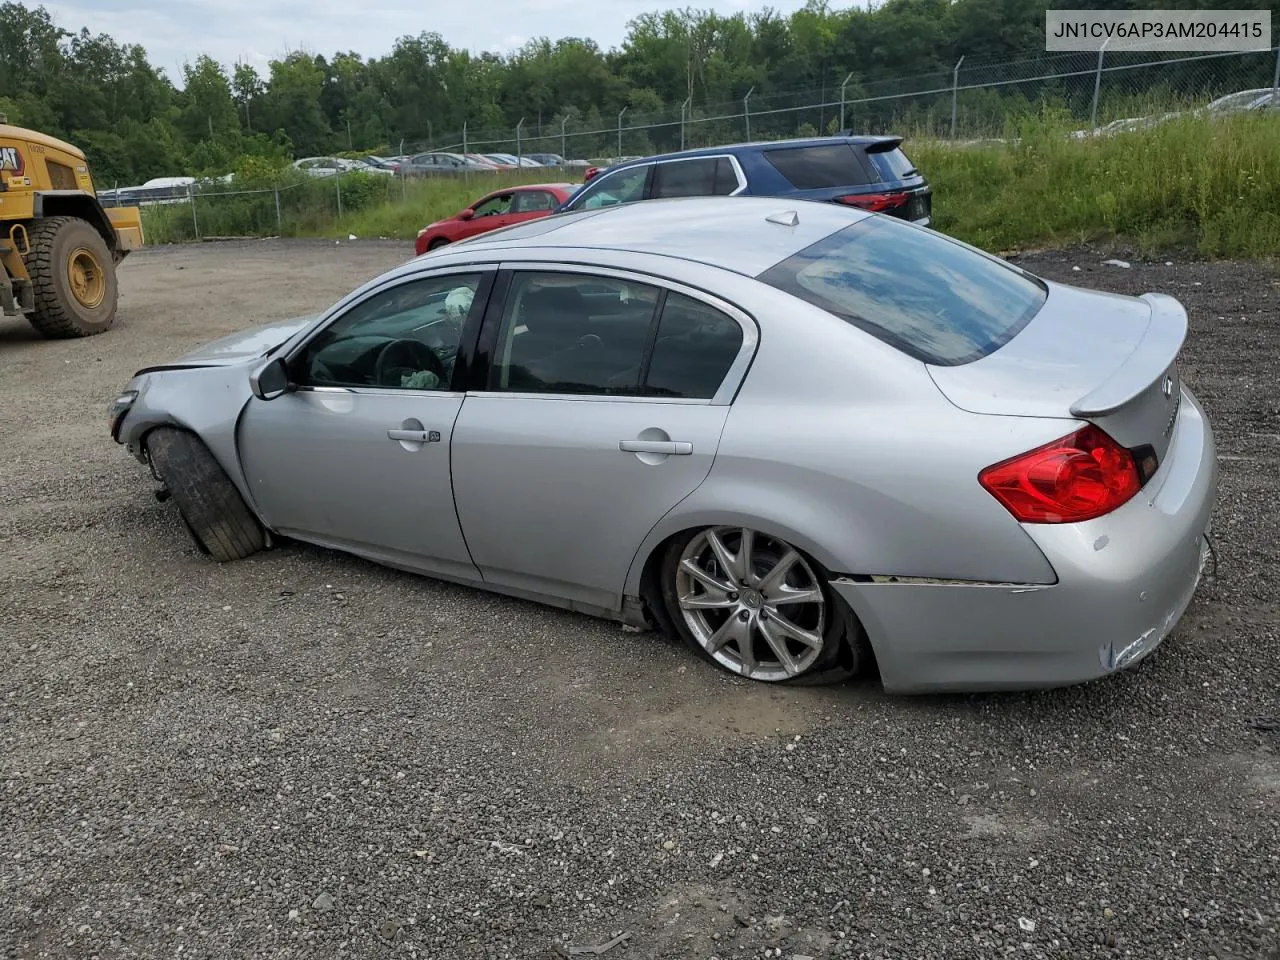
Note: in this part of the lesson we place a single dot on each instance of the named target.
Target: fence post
(746, 110)
(279, 219)
(620, 113)
(955, 87)
(519, 154)
(337, 184)
(1275, 82)
(1097, 85)
(563, 150)
(683, 109)
(195, 221)
(843, 128)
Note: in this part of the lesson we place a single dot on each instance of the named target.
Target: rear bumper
(1123, 583)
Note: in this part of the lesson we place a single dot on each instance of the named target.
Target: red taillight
(1076, 478)
(875, 202)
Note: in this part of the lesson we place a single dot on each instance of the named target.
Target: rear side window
(695, 348)
(813, 168)
(932, 298)
(701, 177)
(892, 164)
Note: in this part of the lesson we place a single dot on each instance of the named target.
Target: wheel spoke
(772, 580)
(745, 572)
(727, 561)
(706, 601)
(778, 644)
(730, 630)
(782, 624)
(785, 594)
(746, 647)
(691, 567)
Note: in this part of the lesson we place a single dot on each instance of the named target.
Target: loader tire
(73, 279)
(215, 513)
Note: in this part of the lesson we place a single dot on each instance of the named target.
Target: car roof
(746, 235)
(753, 145)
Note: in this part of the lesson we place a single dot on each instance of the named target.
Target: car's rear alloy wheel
(754, 605)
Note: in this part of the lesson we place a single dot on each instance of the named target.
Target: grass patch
(1189, 183)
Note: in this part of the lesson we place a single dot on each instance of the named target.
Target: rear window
(893, 164)
(932, 298)
(813, 168)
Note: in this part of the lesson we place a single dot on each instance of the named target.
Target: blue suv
(871, 173)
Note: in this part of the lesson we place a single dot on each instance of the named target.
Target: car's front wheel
(215, 514)
(758, 607)
(437, 243)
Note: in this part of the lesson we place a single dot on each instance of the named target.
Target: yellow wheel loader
(59, 246)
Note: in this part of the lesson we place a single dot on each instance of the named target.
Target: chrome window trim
(380, 392)
(733, 377)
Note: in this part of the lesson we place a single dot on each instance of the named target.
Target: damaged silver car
(806, 439)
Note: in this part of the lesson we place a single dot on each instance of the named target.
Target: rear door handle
(415, 436)
(678, 448)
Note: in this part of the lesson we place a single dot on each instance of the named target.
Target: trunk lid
(1087, 355)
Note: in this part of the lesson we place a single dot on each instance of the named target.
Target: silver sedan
(806, 439)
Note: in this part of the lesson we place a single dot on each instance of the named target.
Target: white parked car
(334, 166)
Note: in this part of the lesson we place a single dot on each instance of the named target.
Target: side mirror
(270, 380)
(466, 214)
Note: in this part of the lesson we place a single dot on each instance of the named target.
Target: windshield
(931, 297)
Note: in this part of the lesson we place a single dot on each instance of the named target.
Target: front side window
(625, 186)
(573, 334)
(494, 206)
(403, 338)
(930, 297)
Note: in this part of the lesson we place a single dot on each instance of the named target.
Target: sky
(258, 31)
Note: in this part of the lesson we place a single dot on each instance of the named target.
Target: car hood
(245, 345)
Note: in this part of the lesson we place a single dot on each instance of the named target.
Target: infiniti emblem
(1168, 386)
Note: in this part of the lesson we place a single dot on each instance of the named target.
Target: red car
(501, 208)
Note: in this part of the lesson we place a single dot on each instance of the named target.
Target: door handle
(415, 436)
(677, 448)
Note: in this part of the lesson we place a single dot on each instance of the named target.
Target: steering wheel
(407, 355)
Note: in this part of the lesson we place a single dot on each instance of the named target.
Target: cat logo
(11, 162)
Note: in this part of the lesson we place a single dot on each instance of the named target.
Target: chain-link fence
(972, 101)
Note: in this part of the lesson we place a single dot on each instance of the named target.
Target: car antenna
(788, 219)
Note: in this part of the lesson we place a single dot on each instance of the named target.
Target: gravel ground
(305, 755)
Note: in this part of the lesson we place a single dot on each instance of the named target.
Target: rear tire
(73, 279)
(215, 514)
(751, 610)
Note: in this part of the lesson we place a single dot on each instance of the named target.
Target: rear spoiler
(884, 145)
(1159, 347)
